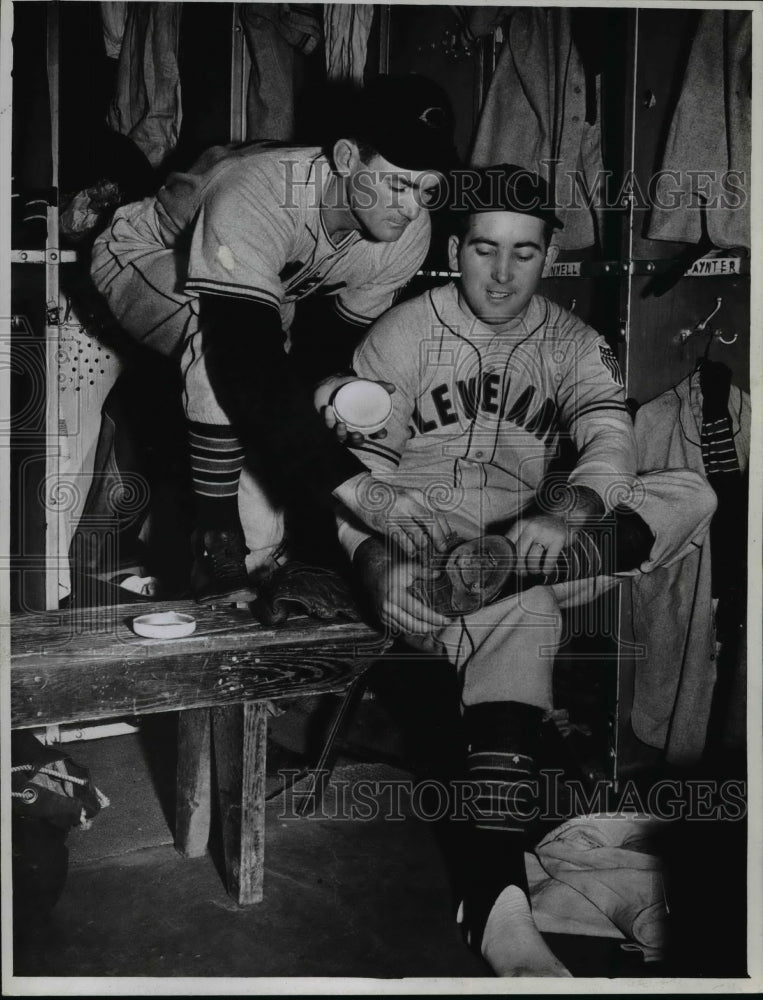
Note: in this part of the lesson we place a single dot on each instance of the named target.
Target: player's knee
(540, 606)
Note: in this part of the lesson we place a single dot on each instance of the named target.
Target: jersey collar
(471, 326)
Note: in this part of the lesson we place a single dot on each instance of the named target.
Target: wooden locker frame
(624, 321)
(240, 68)
(52, 329)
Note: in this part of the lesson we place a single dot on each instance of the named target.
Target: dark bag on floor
(51, 793)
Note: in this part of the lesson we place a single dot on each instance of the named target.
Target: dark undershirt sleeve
(270, 408)
(322, 341)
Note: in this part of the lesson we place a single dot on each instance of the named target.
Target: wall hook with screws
(706, 320)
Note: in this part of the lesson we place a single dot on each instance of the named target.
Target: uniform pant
(505, 651)
(142, 281)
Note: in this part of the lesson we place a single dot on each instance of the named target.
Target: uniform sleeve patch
(609, 360)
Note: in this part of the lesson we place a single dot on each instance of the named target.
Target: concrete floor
(342, 897)
(338, 902)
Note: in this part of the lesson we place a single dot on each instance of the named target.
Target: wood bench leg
(193, 800)
(239, 733)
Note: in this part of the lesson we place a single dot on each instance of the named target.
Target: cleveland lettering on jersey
(484, 413)
(490, 395)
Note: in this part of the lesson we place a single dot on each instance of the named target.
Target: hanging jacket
(346, 27)
(274, 32)
(672, 606)
(147, 105)
(707, 153)
(114, 17)
(536, 110)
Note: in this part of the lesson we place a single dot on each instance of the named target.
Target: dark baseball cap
(407, 119)
(504, 187)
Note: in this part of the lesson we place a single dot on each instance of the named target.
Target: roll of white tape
(164, 625)
(362, 405)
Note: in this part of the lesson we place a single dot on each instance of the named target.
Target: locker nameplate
(570, 269)
(708, 267)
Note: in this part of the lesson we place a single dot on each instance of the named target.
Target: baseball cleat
(483, 570)
(467, 576)
(219, 569)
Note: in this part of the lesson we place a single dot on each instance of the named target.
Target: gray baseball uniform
(243, 221)
(477, 418)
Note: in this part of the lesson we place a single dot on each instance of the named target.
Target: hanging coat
(114, 17)
(346, 27)
(535, 113)
(672, 606)
(146, 106)
(710, 137)
(274, 32)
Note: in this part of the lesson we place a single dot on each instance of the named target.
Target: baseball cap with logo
(407, 119)
(504, 187)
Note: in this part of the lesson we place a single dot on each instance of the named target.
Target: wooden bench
(87, 664)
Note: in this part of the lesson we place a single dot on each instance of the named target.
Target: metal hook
(706, 320)
(573, 304)
(719, 335)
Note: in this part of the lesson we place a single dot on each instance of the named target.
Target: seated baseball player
(489, 376)
(209, 272)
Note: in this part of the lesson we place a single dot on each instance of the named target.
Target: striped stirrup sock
(617, 543)
(718, 452)
(502, 743)
(217, 459)
(503, 781)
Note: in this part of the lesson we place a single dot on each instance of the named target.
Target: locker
(662, 306)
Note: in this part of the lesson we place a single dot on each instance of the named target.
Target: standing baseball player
(209, 272)
(488, 378)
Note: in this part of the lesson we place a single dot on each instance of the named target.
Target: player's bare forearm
(322, 340)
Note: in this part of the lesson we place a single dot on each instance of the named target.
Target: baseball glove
(296, 588)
